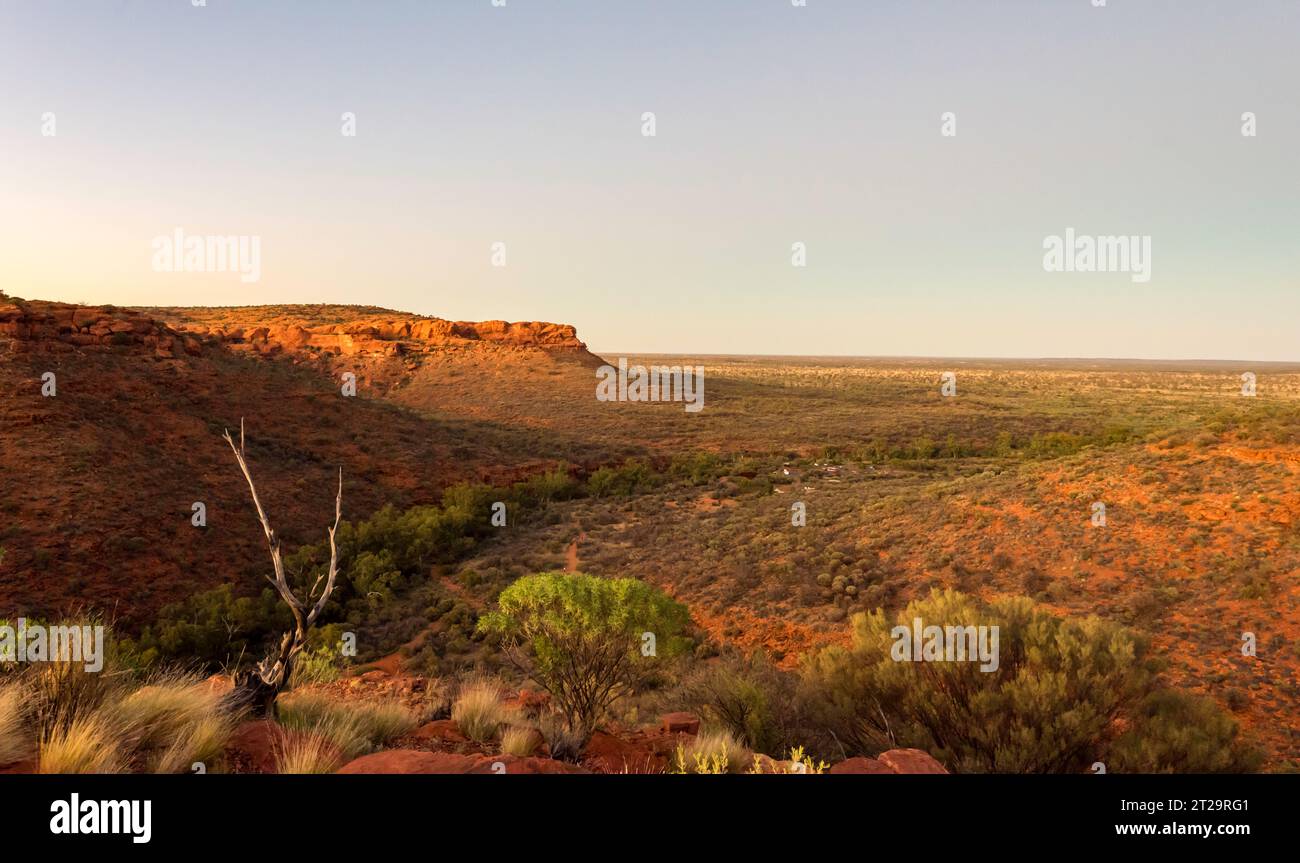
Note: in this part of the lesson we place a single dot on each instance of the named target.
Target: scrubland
(782, 531)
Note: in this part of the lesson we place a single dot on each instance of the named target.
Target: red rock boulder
(680, 723)
(910, 761)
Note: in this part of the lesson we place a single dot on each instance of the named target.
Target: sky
(774, 124)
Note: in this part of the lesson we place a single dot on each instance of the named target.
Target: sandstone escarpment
(314, 333)
(360, 331)
(37, 326)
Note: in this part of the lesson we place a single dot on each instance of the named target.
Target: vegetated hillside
(530, 384)
(100, 477)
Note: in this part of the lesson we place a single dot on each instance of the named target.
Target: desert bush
(1176, 732)
(546, 487)
(749, 697)
(923, 448)
(581, 638)
(378, 558)
(563, 743)
(321, 665)
(632, 476)
(698, 468)
(211, 626)
(1050, 706)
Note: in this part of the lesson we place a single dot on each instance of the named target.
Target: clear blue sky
(775, 124)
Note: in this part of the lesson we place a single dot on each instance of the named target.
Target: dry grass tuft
(87, 744)
(308, 753)
(15, 739)
(519, 740)
(478, 711)
(353, 728)
(713, 751)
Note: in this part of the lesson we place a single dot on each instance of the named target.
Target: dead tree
(256, 689)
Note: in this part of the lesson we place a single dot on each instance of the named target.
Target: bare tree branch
(258, 689)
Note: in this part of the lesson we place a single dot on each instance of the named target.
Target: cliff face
(40, 327)
(36, 325)
(353, 331)
(399, 337)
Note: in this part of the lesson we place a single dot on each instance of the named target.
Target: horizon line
(953, 358)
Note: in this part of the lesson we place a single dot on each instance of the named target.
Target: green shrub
(634, 475)
(582, 638)
(1175, 732)
(749, 697)
(698, 468)
(321, 665)
(378, 557)
(211, 626)
(1051, 705)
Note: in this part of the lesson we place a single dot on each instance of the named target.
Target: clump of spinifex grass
(308, 753)
(353, 728)
(478, 711)
(16, 741)
(88, 744)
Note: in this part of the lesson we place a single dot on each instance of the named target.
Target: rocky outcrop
(860, 765)
(893, 761)
(680, 723)
(410, 761)
(609, 754)
(37, 326)
(440, 732)
(910, 761)
(390, 335)
(632, 753)
(418, 761)
(253, 746)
